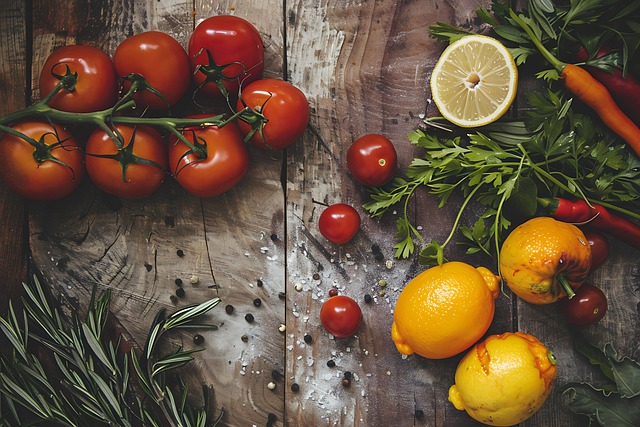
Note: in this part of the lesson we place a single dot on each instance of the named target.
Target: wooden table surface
(364, 66)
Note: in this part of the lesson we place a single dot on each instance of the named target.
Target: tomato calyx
(256, 119)
(214, 73)
(67, 80)
(139, 83)
(126, 157)
(198, 149)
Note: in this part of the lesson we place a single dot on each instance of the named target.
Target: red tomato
(587, 307)
(29, 173)
(284, 107)
(226, 163)
(96, 87)
(161, 60)
(341, 316)
(600, 248)
(139, 180)
(236, 49)
(372, 160)
(339, 223)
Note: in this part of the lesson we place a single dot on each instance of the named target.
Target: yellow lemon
(504, 380)
(474, 81)
(444, 310)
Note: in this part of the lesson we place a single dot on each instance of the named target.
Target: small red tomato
(284, 110)
(339, 223)
(587, 307)
(341, 316)
(600, 248)
(372, 160)
(226, 163)
(96, 87)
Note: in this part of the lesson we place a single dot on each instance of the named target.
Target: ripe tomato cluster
(133, 141)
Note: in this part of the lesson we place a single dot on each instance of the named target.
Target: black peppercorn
(282, 295)
(244, 338)
(173, 299)
(180, 253)
(295, 387)
(367, 298)
(331, 363)
(271, 417)
(260, 283)
(308, 338)
(229, 309)
(347, 375)
(257, 302)
(180, 292)
(419, 414)
(274, 237)
(249, 317)
(375, 248)
(276, 375)
(178, 282)
(316, 276)
(379, 257)
(198, 339)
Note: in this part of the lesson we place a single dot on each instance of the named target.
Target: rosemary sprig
(84, 378)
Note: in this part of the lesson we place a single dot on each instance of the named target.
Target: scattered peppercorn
(346, 382)
(331, 363)
(276, 375)
(198, 339)
(316, 276)
(367, 298)
(333, 292)
(260, 283)
(229, 309)
(148, 266)
(419, 414)
(379, 257)
(180, 292)
(257, 302)
(180, 253)
(249, 317)
(375, 248)
(274, 237)
(178, 282)
(295, 387)
(347, 375)
(244, 338)
(173, 299)
(271, 417)
(308, 338)
(282, 295)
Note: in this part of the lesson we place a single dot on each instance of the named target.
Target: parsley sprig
(556, 151)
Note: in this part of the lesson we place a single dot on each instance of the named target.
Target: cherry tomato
(372, 160)
(29, 173)
(226, 162)
(139, 179)
(161, 60)
(341, 316)
(284, 107)
(96, 86)
(587, 307)
(236, 49)
(339, 223)
(600, 248)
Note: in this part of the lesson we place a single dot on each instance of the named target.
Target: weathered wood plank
(13, 87)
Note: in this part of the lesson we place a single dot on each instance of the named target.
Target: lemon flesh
(474, 81)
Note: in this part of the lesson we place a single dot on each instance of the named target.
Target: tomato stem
(566, 287)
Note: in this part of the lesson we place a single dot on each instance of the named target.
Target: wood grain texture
(13, 87)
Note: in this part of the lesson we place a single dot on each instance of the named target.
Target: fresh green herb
(555, 151)
(70, 373)
(615, 403)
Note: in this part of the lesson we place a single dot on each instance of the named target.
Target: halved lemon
(474, 81)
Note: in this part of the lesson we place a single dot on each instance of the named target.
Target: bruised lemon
(504, 380)
(444, 310)
(474, 81)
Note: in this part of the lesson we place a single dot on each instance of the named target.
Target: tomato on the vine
(135, 170)
(372, 160)
(588, 306)
(341, 316)
(96, 86)
(49, 172)
(226, 162)
(339, 223)
(600, 248)
(163, 63)
(280, 113)
(225, 50)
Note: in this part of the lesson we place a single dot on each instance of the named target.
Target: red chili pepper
(595, 217)
(624, 89)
